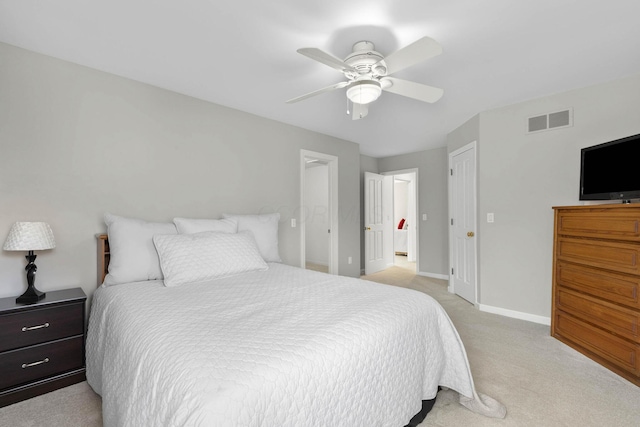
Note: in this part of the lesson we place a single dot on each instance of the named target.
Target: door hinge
(451, 170)
(329, 231)
(452, 271)
(451, 221)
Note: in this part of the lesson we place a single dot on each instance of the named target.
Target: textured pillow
(133, 256)
(190, 258)
(190, 226)
(264, 229)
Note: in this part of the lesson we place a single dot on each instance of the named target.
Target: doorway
(319, 211)
(390, 220)
(405, 216)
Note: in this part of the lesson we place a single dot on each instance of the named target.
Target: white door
(462, 165)
(373, 223)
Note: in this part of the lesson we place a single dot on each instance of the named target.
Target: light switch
(424, 217)
(490, 217)
(293, 223)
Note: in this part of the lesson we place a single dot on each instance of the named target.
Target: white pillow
(264, 229)
(133, 256)
(190, 258)
(190, 226)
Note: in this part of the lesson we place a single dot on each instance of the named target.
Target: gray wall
(76, 142)
(464, 134)
(433, 237)
(521, 176)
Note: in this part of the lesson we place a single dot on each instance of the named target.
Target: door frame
(470, 146)
(332, 164)
(417, 212)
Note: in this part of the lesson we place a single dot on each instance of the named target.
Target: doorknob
(367, 229)
(470, 234)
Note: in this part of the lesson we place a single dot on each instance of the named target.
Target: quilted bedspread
(283, 347)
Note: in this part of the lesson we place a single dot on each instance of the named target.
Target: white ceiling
(242, 54)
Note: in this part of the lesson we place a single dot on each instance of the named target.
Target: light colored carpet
(317, 267)
(542, 382)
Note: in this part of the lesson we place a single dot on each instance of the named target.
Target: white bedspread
(284, 347)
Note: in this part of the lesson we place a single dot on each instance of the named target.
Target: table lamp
(30, 236)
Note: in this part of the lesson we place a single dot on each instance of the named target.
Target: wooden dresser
(596, 284)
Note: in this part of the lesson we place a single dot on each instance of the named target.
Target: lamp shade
(364, 91)
(29, 236)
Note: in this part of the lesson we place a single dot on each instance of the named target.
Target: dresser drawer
(621, 257)
(616, 288)
(620, 321)
(40, 325)
(40, 361)
(601, 225)
(619, 352)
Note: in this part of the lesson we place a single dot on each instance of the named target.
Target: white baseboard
(433, 275)
(516, 314)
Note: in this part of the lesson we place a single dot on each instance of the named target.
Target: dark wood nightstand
(41, 345)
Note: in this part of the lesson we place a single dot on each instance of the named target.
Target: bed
(271, 346)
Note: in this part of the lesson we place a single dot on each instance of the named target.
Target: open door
(463, 257)
(376, 227)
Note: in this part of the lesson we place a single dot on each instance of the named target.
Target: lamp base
(30, 296)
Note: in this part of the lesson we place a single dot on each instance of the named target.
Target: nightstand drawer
(40, 361)
(41, 325)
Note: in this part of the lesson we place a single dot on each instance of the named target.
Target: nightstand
(41, 345)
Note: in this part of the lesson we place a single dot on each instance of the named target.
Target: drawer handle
(32, 328)
(40, 362)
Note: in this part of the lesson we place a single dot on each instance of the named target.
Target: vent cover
(558, 119)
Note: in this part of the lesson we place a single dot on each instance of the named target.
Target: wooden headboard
(103, 256)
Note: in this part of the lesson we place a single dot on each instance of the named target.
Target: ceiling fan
(368, 73)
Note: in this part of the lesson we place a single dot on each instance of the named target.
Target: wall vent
(555, 120)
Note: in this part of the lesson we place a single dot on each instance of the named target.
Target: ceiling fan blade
(416, 52)
(319, 91)
(325, 58)
(412, 89)
(360, 111)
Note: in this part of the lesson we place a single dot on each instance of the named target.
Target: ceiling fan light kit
(364, 91)
(368, 73)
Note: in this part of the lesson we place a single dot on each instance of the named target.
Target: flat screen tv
(611, 171)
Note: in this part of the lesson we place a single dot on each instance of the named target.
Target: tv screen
(611, 171)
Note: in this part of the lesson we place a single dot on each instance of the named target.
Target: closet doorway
(319, 211)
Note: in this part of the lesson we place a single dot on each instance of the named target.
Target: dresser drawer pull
(32, 328)
(28, 365)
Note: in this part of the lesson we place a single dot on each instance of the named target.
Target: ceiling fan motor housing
(364, 57)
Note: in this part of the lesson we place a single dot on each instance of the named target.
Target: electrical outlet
(293, 223)
(490, 217)
(350, 260)
(424, 217)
